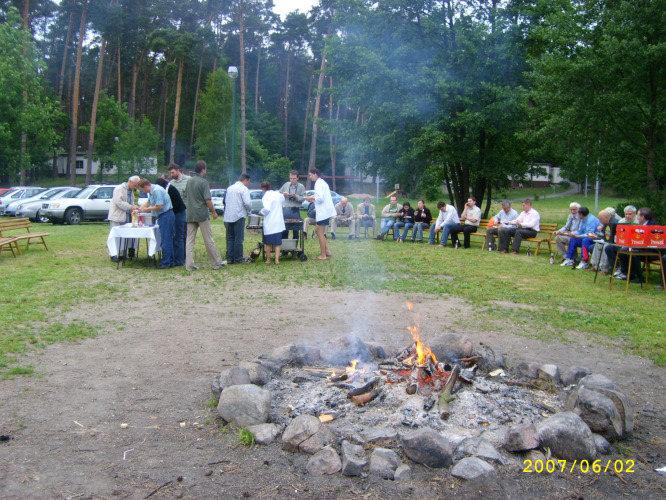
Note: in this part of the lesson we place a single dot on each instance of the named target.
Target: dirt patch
(152, 370)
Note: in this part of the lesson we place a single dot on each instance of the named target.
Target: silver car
(17, 194)
(255, 200)
(31, 208)
(91, 204)
(217, 197)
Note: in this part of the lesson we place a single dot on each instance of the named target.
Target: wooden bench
(545, 235)
(10, 245)
(11, 225)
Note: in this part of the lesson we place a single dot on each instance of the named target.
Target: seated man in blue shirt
(583, 237)
(160, 204)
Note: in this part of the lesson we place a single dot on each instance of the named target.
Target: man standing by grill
(325, 210)
(199, 211)
(293, 192)
(236, 207)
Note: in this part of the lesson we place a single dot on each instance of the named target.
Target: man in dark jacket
(422, 220)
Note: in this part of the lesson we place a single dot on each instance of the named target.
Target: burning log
(339, 377)
(365, 398)
(445, 396)
(364, 388)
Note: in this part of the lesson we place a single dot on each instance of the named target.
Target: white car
(91, 204)
(31, 208)
(217, 197)
(16, 194)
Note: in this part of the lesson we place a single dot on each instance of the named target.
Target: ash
(484, 404)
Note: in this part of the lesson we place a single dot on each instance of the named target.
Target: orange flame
(352, 369)
(423, 352)
(410, 306)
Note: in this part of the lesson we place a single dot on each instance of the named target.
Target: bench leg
(44, 243)
(536, 254)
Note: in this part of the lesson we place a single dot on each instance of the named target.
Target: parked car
(255, 200)
(336, 198)
(4, 191)
(217, 197)
(91, 204)
(10, 209)
(32, 207)
(19, 193)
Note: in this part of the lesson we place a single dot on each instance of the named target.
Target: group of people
(182, 206)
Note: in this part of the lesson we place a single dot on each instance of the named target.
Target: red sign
(641, 236)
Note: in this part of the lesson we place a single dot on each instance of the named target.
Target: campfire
(416, 367)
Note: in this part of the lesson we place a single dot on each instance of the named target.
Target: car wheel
(73, 216)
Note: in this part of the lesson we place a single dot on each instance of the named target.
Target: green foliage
(25, 106)
(212, 402)
(112, 120)
(214, 122)
(245, 437)
(134, 152)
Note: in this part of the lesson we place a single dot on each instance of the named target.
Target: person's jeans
(179, 238)
(446, 229)
(586, 248)
(235, 236)
(364, 222)
(491, 234)
(417, 231)
(166, 223)
(405, 226)
(574, 244)
(432, 235)
(466, 229)
(386, 225)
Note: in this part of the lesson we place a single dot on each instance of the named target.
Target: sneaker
(567, 263)
(583, 265)
(380, 237)
(617, 273)
(620, 276)
(193, 268)
(220, 265)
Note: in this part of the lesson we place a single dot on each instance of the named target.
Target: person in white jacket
(273, 203)
(325, 210)
(446, 219)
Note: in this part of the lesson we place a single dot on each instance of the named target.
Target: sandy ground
(151, 369)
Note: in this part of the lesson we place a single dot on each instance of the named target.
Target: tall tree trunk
(489, 190)
(25, 18)
(286, 106)
(241, 42)
(305, 120)
(73, 133)
(331, 134)
(176, 112)
(144, 90)
(256, 84)
(119, 75)
(93, 113)
(315, 113)
(196, 103)
(131, 107)
(63, 65)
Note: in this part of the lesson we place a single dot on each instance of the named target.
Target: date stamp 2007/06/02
(583, 466)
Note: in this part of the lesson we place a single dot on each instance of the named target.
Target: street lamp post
(233, 75)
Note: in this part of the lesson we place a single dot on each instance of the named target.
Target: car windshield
(84, 193)
(70, 194)
(47, 195)
(9, 192)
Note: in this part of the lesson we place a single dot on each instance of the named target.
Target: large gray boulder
(307, 434)
(602, 445)
(478, 447)
(550, 373)
(451, 347)
(342, 350)
(521, 437)
(294, 355)
(528, 370)
(325, 462)
(353, 459)
(471, 468)
(567, 436)
(597, 381)
(597, 411)
(384, 462)
(427, 447)
(244, 405)
(624, 408)
(231, 376)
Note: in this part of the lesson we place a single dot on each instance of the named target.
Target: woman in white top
(272, 202)
(324, 208)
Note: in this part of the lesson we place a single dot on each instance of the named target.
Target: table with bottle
(123, 238)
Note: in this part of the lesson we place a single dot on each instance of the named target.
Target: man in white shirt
(325, 210)
(469, 223)
(236, 208)
(505, 215)
(525, 226)
(447, 218)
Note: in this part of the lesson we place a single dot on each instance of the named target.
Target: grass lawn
(40, 287)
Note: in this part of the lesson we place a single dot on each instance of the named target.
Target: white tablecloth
(118, 233)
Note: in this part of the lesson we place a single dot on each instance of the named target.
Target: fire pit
(460, 402)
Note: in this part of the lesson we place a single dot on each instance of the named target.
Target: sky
(284, 7)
